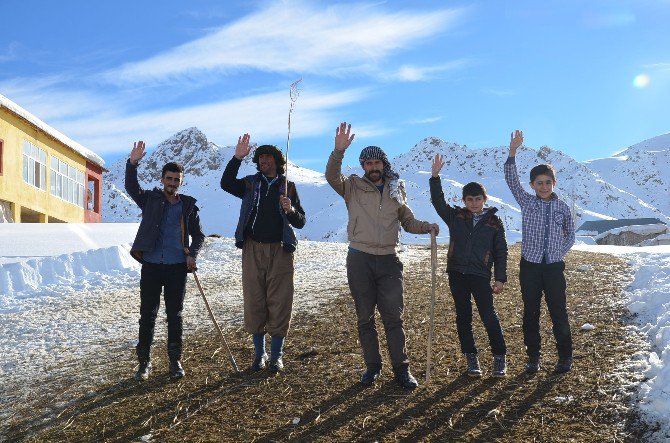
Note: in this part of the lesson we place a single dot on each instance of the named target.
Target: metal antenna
(294, 92)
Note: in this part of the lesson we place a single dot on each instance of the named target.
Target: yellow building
(45, 177)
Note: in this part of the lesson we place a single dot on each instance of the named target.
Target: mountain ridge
(594, 190)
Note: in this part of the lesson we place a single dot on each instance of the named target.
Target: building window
(34, 165)
(67, 182)
(1, 146)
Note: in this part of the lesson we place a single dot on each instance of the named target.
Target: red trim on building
(94, 179)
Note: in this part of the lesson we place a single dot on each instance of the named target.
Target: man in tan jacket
(377, 208)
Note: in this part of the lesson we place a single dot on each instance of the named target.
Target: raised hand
(438, 162)
(137, 153)
(242, 149)
(343, 137)
(515, 140)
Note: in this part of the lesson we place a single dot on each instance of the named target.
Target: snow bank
(62, 274)
(25, 241)
(649, 298)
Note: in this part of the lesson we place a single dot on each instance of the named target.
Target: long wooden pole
(433, 281)
(218, 328)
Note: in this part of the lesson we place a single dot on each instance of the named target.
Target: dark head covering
(274, 151)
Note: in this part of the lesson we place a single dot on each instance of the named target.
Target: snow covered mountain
(641, 169)
(204, 163)
(595, 193)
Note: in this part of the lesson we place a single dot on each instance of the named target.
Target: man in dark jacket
(162, 246)
(476, 242)
(265, 233)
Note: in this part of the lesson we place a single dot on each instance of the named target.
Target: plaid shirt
(544, 231)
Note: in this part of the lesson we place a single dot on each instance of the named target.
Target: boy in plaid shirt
(548, 233)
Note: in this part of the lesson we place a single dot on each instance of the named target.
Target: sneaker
(563, 365)
(275, 365)
(176, 370)
(499, 366)
(370, 375)
(533, 365)
(143, 371)
(473, 365)
(259, 362)
(406, 380)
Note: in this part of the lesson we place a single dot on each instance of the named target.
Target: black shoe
(474, 370)
(176, 370)
(563, 365)
(533, 365)
(259, 363)
(406, 380)
(499, 366)
(275, 365)
(370, 375)
(144, 370)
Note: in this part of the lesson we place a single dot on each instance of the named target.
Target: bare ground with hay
(318, 398)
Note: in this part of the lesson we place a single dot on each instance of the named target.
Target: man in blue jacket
(162, 246)
(269, 211)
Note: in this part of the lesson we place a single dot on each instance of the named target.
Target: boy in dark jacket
(476, 242)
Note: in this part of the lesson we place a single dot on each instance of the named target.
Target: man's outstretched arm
(343, 139)
(132, 185)
(229, 181)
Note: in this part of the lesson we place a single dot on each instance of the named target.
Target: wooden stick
(218, 328)
(433, 280)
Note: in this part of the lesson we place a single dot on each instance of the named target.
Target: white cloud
(425, 121)
(264, 116)
(500, 92)
(658, 66)
(408, 73)
(294, 37)
(48, 98)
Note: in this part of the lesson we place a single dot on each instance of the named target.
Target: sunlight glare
(641, 81)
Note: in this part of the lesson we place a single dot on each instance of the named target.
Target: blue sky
(588, 78)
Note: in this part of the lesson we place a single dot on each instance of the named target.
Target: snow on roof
(636, 229)
(67, 141)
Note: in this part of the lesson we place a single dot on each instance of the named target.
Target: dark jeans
(462, 287)
(377, 281)
(154, 278)
(548, 277)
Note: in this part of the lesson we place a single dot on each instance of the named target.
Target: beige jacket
(374, 218)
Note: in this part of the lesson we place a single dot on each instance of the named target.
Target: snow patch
(62, 274)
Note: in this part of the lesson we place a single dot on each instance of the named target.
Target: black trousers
(171, 280)
(376, 281)
(536, 278)
(463, 287)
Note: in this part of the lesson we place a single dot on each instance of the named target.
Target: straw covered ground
(318, 398)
